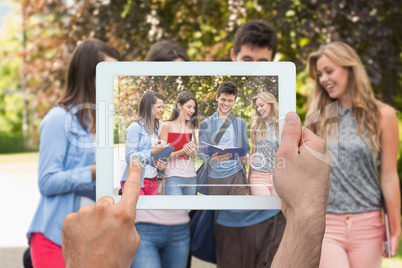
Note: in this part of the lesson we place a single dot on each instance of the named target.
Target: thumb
(291, 134)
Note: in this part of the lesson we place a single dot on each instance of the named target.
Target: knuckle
(284, 152)
(85, 210)
(70, 218)
(290, 132)
(104, 202)
(124, 216)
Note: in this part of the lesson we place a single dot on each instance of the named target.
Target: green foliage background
(128, 92)
(204, 28)
(34, 58)
(11, 97)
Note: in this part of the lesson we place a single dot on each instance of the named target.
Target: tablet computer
(120, 85)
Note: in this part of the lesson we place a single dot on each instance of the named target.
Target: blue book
(210, 149)
(162, 155)
(387, 241)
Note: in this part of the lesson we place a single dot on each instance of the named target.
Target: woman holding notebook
(264, 144)
(143, 142)
(361, 132)
(179, 132)
(165, 234)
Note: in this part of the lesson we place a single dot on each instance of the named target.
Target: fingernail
(292, 118)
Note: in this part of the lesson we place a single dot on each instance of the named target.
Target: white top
(180, 168)
(150, 172)
(162, 217)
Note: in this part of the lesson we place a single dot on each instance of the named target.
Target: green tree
(11, 96)
(206, 30)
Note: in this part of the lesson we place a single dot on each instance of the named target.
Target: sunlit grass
(19, 157)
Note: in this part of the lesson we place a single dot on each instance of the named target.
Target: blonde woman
(264, 144)
(367, 133)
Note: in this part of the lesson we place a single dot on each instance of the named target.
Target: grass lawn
(19, 157)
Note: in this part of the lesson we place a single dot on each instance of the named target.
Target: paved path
(11, 257)
(19, 197)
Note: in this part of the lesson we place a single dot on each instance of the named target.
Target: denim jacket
(66, 157)
(139, 145)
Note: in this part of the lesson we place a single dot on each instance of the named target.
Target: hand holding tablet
(98, 236)
(104, 235)
(297, 168)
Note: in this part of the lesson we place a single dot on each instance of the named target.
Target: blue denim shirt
(233, 218)
(229, 167)
(209, 128)
(139, 144)
(66, 157)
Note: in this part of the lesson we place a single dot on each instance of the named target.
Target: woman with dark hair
(143, 141)
(166, 51)
(180, 174)
(66, 157)
(165, 234)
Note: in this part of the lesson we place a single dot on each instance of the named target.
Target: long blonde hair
(258, 124)
(364, 104)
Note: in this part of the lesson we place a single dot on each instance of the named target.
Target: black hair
(145, 114)
(182, 98)
(80, 85)
(256, 33)
(166, 51)
(227, 88)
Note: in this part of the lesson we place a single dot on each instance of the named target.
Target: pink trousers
(353, 241)
(45, 253)
(261, 183)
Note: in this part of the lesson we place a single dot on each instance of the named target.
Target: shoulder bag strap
(223, 128)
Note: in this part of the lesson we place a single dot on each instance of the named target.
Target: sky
(5, 9)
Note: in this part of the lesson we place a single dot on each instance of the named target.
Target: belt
(151, 179)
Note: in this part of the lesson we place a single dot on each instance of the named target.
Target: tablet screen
(179, 178)
(120, 87)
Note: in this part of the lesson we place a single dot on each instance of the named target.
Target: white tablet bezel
(105, 73)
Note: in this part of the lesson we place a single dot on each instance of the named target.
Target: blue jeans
(178, 186)
(164, 246)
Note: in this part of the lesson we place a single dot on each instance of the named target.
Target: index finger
(132, 187)
(311, 140)
(291, 134)
(315, 146)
